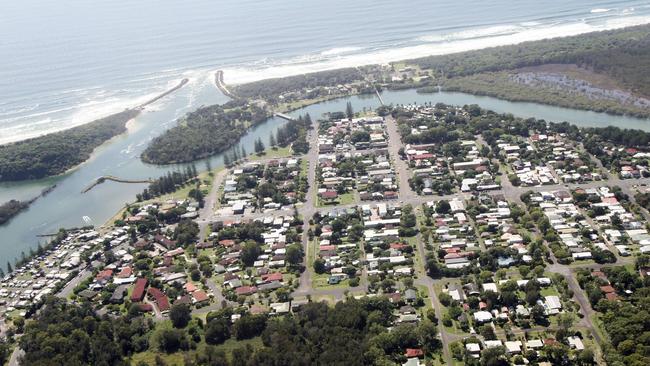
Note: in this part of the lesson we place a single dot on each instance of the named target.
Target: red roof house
(245, 290)
(160, 298)
(414, 352)
(200, 296)
(275, 276)
(138, 290)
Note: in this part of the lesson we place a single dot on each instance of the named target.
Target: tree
(217, 331)
(495, 356)
(249, 326)
(538, 314)
(272, 141)
(259, 146)
(349, 112)
(294, 254)
(487, 332)
(427, 334)
(443, 207)
(250, 252)
(180, 315)
(586, 357)
(4, 352)
(319, 266)
(171, 340)
(566, 320)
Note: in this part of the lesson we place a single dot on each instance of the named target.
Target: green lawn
(319, 281)
(343, 199)
(549, 291)
(279, 152)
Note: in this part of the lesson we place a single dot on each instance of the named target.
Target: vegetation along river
(66, 207)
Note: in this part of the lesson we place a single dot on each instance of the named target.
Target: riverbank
(60, 152)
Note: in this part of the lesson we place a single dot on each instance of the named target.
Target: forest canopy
(204, 132)
(55, 153)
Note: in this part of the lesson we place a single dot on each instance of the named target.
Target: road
(401, 167)
(15, 356)
(308, 208)
(428, 282)
(70, 286)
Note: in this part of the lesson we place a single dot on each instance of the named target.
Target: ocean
(69, 62)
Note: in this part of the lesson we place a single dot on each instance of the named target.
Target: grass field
(149, 357)
(280, 152)
(343, 199)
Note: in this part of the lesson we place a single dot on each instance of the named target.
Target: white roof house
(492, 344)
(513, 346)
(553, 302)
(576, 343)
(490, 287)
(474, 348)
(534, 343)
(482, 316)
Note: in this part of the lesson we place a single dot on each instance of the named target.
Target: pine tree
(235, 154)
(349, 111)
(272, 141)
(308, 121)
(226, 160)
(282, 137)
(244, 153)
(9, 269)
(208, 165)
(259, 146)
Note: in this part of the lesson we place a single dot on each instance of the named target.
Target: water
(68, 62)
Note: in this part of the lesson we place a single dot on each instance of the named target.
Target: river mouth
(66, 206)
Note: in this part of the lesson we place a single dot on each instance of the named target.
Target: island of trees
(204, 132)
(55, 153)
(10, 209)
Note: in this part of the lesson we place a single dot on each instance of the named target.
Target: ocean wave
(430, 46)
(600, 10)
(339, 51)
(473, 33)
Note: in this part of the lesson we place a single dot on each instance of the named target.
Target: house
(576, 343)
(118, 295)
(414, 352)
(138, 290)
(490, 287)
(482, 316)
(553, 304)
(474, 349)
(245, 290)
(456, 292)
(199, 296)
(534, 344)
(513, 347)
(410, 295)
(160, 298)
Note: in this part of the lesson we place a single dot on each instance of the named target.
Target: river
(65, 206)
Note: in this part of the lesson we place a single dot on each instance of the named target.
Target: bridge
(284, 116)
